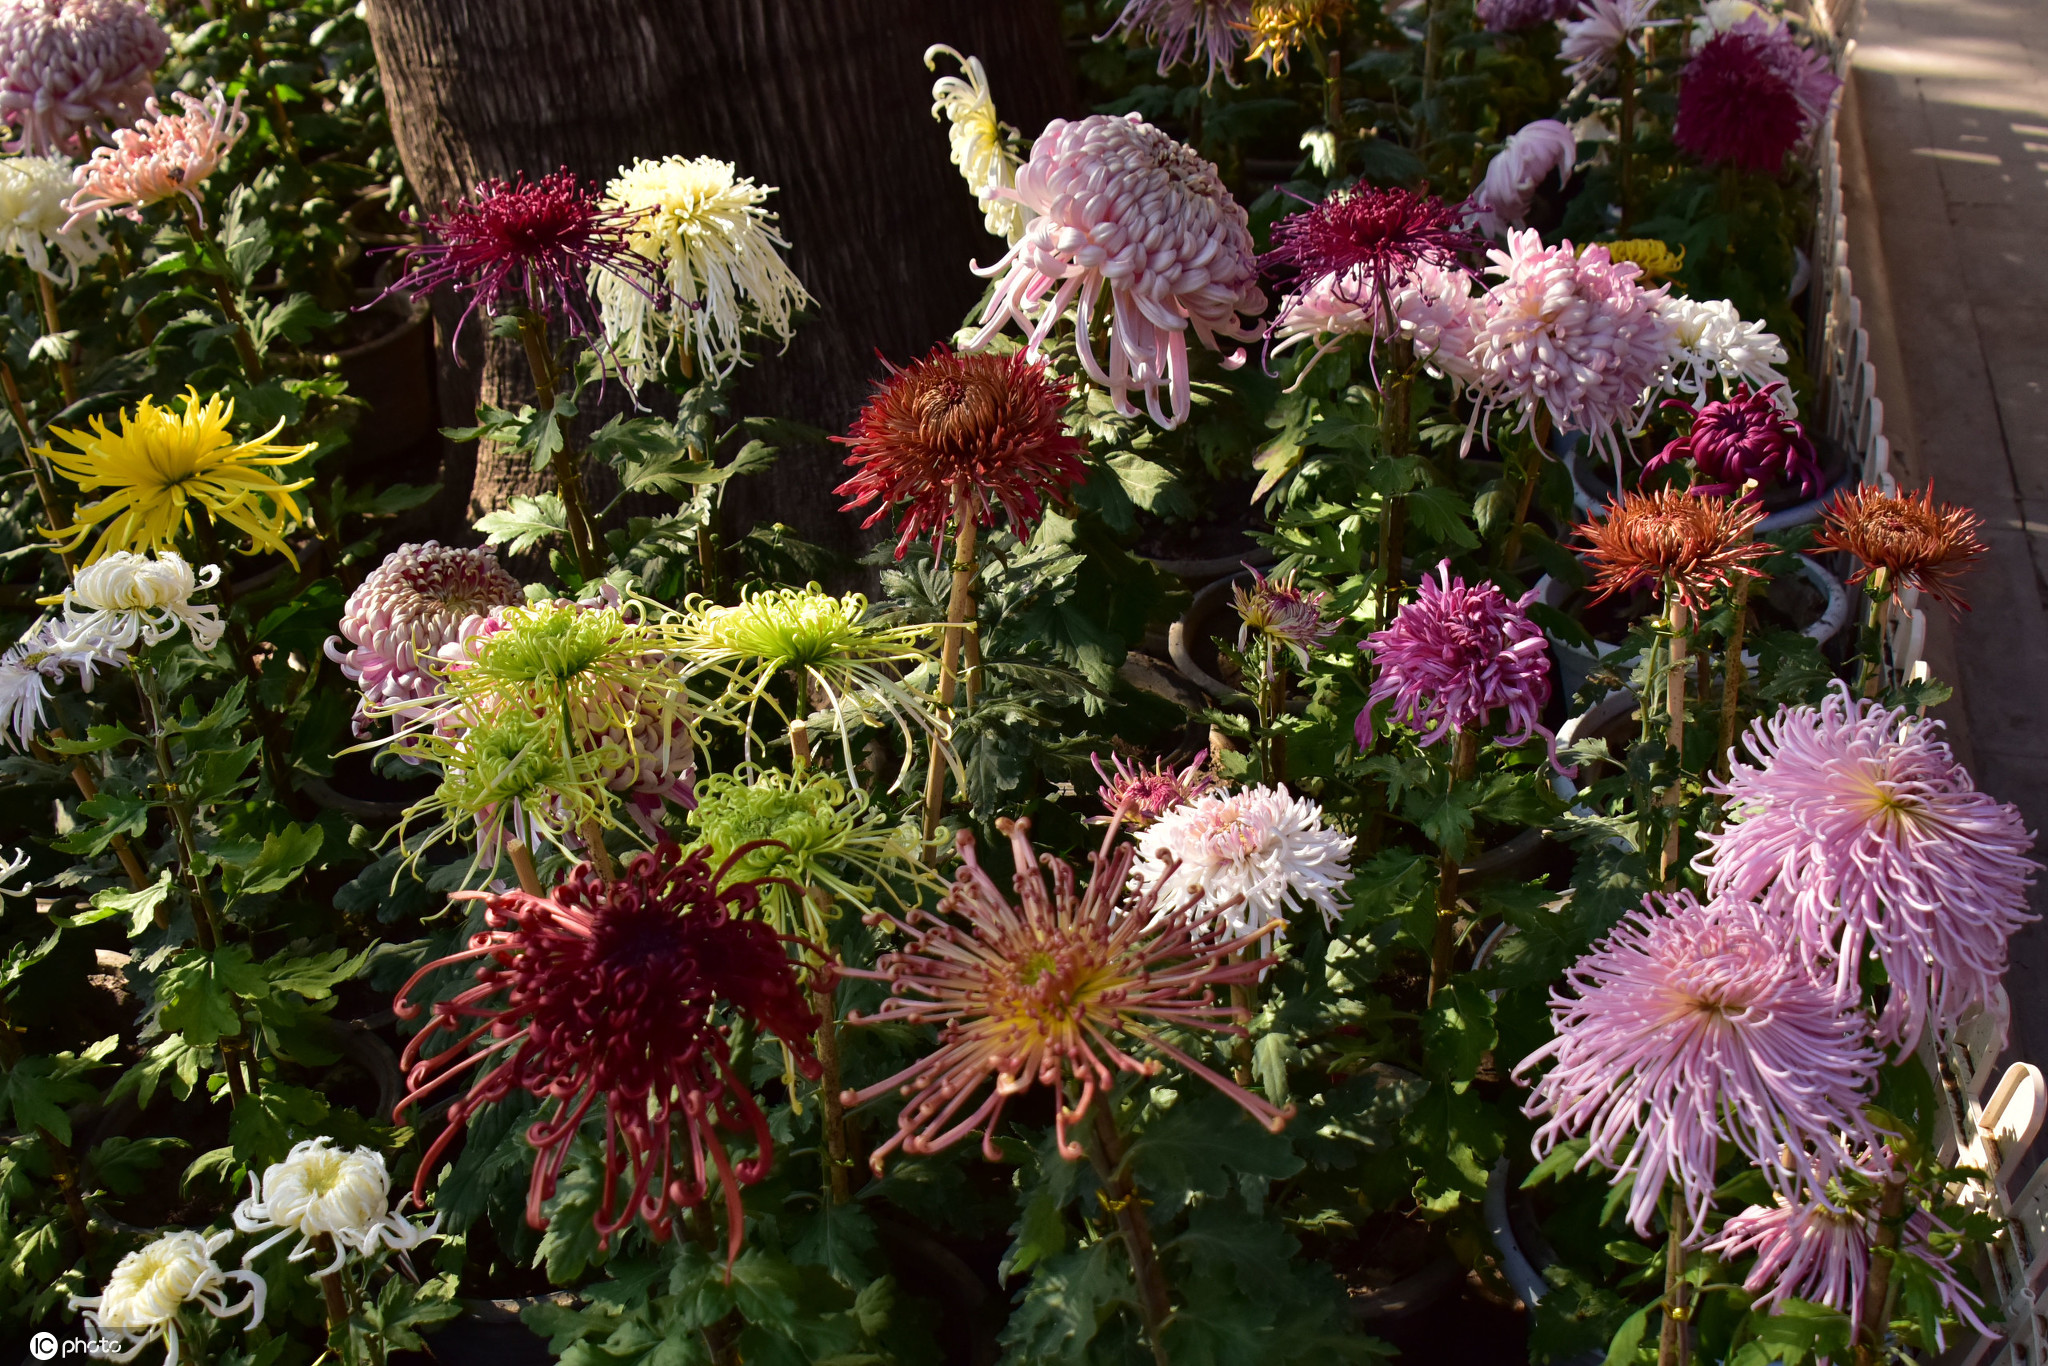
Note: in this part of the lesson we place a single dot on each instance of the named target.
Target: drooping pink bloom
(72, 68)
(1366, 241)
(1125, 210)
(1065, 987)
(1691, 1026)
(1592, 41)
(1512, 16)
(1143, 793)
(1570, 332)
(421, 599)
(1532, 152)
(1189, 31)
(160, 156)
(606, 995)
(1433, 309)
(1742, 437)
(1453, 656)
(1252, 860)
(1749, 95)
(1859, 822)
(1283, 612)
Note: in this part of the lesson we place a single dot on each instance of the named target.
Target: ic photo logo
(49, 1347)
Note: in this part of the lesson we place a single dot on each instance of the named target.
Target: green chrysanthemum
(508, 776)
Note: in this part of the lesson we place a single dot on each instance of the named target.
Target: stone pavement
(1945, 146)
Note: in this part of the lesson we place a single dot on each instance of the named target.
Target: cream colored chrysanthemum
(35, 195)
(125, 600)
(718, 257)
(320, 1191)
(143, 1298)
(980, 142)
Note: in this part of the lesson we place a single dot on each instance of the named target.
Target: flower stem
(89, 788)
(1674, 702)
(1625, 140)
(1272, 703)
(522, 865)
(1877, 1291)
(960, 610)
(1732, 671)
(1155, 1304)
(593, 845)
(224, 294)
(838, 1167)
(1674, 1343)
(568, 467)
(1532, 474)
(53, 506)
(332, 1291)
(1870, 679)
(1446, 942)
(67, 372)
(1396, 413)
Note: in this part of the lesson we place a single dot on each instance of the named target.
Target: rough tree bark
(827, 99)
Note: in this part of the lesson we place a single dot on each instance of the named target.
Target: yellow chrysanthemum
(1280, 27)
(1656, 259)
(161, 463)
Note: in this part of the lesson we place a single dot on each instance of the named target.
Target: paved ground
(1947, 120)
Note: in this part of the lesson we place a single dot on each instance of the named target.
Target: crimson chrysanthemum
(1743, 437)
(1858, 820)
(983, 431)
(421, 599)
(1749, 95)
(1453, 656)
(1913, 541)
(614, 998)
(526, 244)
(1190, 31)
(1063, 990)
(1676, 541)
(72, 67)
(1691, 1026)
(1366, 241)
(1145, 792)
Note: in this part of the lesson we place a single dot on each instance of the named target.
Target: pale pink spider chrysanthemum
(72, 67)
(160, 156)
(1532, 152)
(1189, 31)
(1142, 793)
(1690, 1026)
(1433, 308)
(1592, 40)
(1123, 208)
(1254, 857)
(1860, 822)
(1284, 613)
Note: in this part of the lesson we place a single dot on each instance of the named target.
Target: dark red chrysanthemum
(1366, 241)
(525, 245)
(978, 429)
(1748, 96)
(1746, 436)
(607, 994)
(1912, 540)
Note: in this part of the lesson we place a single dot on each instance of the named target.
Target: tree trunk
(827, 99)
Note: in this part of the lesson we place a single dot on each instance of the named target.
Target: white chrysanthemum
(35, 195)
(149, 1287)
(980, 142)
(1715, 343)
(33, 664)
(1719, 16)
(320, 1191)
(718, 257)
(128, 598)
(1254, 856)
(1591, 42)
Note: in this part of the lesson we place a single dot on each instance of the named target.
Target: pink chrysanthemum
(1435, 310)
(1189, 31)
(1453, 656)
(1749, 95)
(1283, 612)
(1123, 208)
(1532, 152)
(1591, 39)
(1512, 16)
(1743, 437)
(421, 599)
(1861, 824)
(614, 996)
(1140, 794)
(70, 68)
(1063, 990)
(1362, 243)
(1691, 1026)
(162, 155)
(1251, 859)
(1573, 333)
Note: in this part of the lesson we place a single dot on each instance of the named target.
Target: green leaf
(1066, 1302)
(1558, 1162)
(1151, 485)
(1441, 514)
(1039, 1235)
(192, 1000)
(265, 1125)
(1622, 1350)
(1270, 1056)
(97, 738)
(1206, 1145)
(765, 1288)
(1458, 1031)
(840, 1238)
(284, 856)
(113, 814)
(140, 907)
(570, 1246)
(525, 522)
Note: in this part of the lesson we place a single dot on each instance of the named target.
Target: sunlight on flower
(142, 1300)
(980, 142)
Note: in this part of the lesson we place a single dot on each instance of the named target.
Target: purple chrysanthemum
(1743, 437)
(71, 67)
(1365, 242)
(1691, 1026)
(1189, 31)
(1512, 16)
(1454, 655)
(1860, 823)
(1284, 613)
(1749, 95)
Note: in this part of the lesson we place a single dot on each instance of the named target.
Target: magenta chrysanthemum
(160, 156)
(422, 599)
(1743, 437)
(1860, 823)
(1691, 1026)
(1434, 310)
(69, 68)
(1570, 332)
(1749, 95)
(1189, 31)
(1532, 152)
(1363, 242)
(1453, 656)
(1283, 612)
(1123, 208)
(1142, 793)
(1512, 16)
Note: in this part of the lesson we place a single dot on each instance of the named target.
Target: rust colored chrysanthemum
(1675, 538)
(1908, 538)
(983, 427)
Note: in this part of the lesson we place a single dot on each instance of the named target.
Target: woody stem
(1155, 1304)
(568, 466)
(959, 612)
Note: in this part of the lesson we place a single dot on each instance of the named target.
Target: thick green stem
(1525, 495)
(224, 294)
(568, 464)
(267, 727)
(1444, 948)
(1155, 1303)
(1870, 678)
(1272, 705)
(960, 612)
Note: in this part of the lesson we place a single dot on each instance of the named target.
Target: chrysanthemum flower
(1121, 207)
(125, 600)
(1249, 860)
(1139, 794)
(1860, 822)
(1674, 540)
(1654, 258)
(1595, 31)
(1366, 241)
(614, 996)
(321, 1191)
(1749, 95)
(163, 463)
(1742, 437)
(983, 427)
(1280, 28)
(1065, 990)
(1531, 153)
(1713, 342)
(1453, 656)
(714, 255)
(1279, 610)
(420, 600)
(161, 155)
(1691, 1026)
(35, 219)
(1913, 540)
(69, 68)
(1434, 310)
(506, 776)
(144, 1298)
(1718, 16)
(1512, 16)
(979, 141)
(34, 664)
(1572, 333)
(1188, 31)
(526, 244)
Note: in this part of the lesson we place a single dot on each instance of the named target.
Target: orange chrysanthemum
(1673, 537)
(1915, 541)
